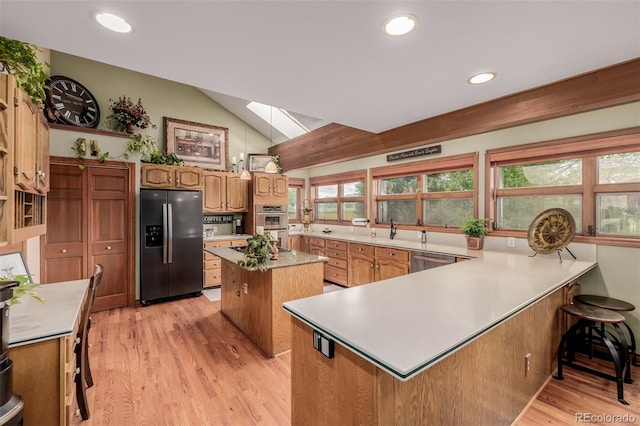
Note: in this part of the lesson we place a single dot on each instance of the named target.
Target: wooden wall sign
(430, 150)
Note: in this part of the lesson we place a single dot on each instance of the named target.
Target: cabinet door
(295, 242)
(7, 133)
(390, 268)
(262, 185)
(237, 193)
(26, 137)
(188, 177)
(214, 191)
(63, 252)
(108, 195)
(280, 187)
(156, 176)
(361, 269)
(42, 166)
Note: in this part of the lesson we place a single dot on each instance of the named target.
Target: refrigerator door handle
(170, 227)
(165, 237)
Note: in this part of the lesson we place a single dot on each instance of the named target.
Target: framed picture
(197, 144)
(12, 264)
(257, 162)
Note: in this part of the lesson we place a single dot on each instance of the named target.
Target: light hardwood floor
(182, 363)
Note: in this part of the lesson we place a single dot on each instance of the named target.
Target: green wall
(161, 98)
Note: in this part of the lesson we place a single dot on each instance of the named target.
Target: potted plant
(24, 287)
(125, 113)
(475, 230)
(260, 249)
(20, 60)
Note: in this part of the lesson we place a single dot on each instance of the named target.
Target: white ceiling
(330, 59)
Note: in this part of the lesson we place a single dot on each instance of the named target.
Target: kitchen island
(466, 343)
(253, 300)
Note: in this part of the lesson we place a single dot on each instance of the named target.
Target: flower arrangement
(125, 111)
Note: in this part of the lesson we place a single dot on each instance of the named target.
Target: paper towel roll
(260, 230)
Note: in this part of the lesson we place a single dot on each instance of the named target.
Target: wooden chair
(97, 273)
(82, 346)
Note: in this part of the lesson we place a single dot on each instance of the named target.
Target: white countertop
(32, 321)
(404, 325)
(231, 237)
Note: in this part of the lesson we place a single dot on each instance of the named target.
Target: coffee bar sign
(430, 150)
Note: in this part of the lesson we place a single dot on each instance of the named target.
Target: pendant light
(271, 167)
(245, 175)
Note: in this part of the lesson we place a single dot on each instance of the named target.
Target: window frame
(337, 179)
(299, 185)
(585, 147)
(468, 161)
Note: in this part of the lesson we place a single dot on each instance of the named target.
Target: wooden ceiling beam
(615, 85)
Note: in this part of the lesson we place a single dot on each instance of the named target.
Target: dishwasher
(421, 260)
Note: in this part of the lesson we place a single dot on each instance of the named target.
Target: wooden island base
(253, 300)
(485, 382)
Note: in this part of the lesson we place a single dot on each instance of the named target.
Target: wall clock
(552, 230)
(69, 102)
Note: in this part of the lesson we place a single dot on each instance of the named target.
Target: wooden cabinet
(299, 243)
(317, 246)
(24, 158)
(225, 192)
(336, 268)
(91, 220)
(212, 264)
(170, 177)
(391, 263)
(253, 300)
(44, 374)
(369, 263)
(270, 189)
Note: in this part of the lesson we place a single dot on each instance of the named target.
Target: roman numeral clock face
(69, 102)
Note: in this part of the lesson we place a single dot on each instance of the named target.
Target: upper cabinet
(225, 192)
(270, 189)
(170, 177)
(24, 164)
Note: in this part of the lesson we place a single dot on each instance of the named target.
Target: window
(434, 193)
(339, 198)
(296, 197)
(594, 177)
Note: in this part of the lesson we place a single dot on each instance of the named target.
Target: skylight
(279, 118)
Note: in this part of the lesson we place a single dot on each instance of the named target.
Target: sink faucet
(392, 234)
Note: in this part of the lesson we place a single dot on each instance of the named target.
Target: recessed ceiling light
(113, 22)
(400, 24)
(482, 78)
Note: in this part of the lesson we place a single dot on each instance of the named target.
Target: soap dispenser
(423, 237)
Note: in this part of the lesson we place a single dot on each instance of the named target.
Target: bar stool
(616, 305)
(588, 317)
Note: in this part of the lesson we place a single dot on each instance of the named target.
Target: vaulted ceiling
(330, 59)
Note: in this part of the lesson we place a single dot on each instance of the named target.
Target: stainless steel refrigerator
(170, 244)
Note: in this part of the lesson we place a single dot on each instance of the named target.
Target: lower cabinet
(299, 243)
(212, 264)
(44, 376)
(337, 265)
(369, 263)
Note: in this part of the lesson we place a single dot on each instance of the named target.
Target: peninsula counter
(253, 300)
(466, 343)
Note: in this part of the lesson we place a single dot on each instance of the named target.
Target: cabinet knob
(76, 412)
(372, 265)
(177, 180)
(77, 371)
(63, 250)
(359, 248)
(391, 254)
(108, 247)
(238, 293)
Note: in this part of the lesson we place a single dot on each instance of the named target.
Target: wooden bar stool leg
(624, 351)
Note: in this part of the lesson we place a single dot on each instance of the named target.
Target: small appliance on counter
(238, 226)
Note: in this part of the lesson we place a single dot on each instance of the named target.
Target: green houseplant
(475, 230)
(258, 252)
(20, 60)
(24, 287)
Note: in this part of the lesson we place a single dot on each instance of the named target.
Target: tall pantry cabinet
(91, 220)
(24, 164)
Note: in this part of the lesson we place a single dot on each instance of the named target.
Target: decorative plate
(551, 231)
